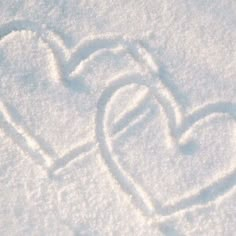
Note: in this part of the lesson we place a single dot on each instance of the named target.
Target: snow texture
(118, 117)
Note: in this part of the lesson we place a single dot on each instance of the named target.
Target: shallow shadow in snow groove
(169, 230)
(167, 78)
(85, 230)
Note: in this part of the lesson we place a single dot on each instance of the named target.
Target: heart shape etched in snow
(176, 132)
(42, 70)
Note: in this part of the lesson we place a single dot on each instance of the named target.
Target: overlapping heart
(179, 129)
(66, 65)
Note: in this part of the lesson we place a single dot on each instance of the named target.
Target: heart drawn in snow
(86, 115)
(191, 162)
(41, 71)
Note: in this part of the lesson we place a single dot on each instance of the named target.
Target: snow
(117, 117)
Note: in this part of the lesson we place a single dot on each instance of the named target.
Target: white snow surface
(118, 117)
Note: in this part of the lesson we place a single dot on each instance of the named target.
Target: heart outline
(143, 200)
(66, 60)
